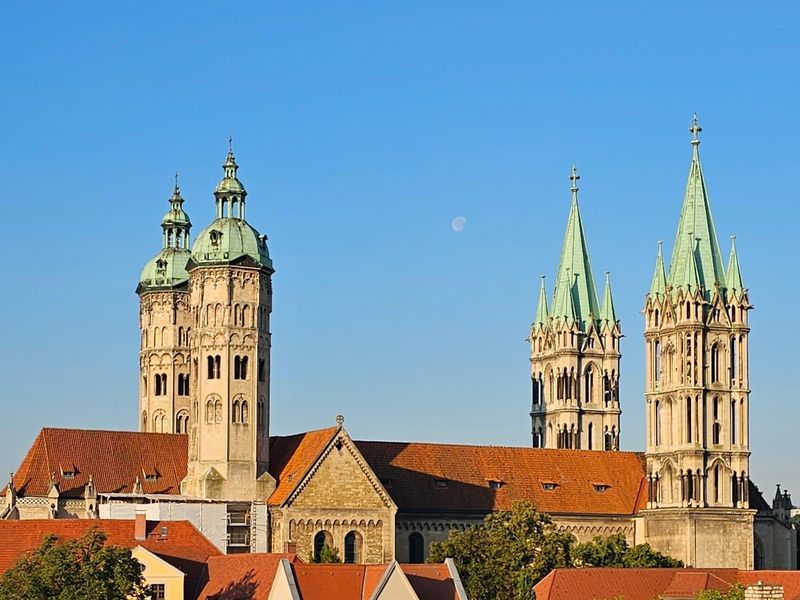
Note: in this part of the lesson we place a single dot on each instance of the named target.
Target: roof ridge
(503, 446)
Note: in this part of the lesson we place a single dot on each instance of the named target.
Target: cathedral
(203, 449)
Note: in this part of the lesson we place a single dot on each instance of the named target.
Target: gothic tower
(230, 287)
(164, 323)
(697, 393)
(575, 353)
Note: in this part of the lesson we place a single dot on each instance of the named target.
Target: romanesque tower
(697, 393)
(230, 287)
(575, 353)
(164, 323)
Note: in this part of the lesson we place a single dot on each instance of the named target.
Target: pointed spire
(563, 301)
(574, 276)
(230, 193)
(734, 274)
(176, 223)
(659, 284)
(691, 277)
(542, 313)
(608, 313)
(696, 219)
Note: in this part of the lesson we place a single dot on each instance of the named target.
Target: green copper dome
(167, 269)
(230, 240)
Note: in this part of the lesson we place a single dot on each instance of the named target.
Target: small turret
(734, 274)
(658, 285)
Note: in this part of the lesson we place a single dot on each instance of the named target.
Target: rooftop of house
(177, 542)
(241, 575)
(646, 584)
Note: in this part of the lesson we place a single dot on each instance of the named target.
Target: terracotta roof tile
(113, 458)
(456, 478)
(790, 580)
(639, 584)
(241, 576)
(183, 547)
(431, 582)
(291, 457)
(324, 582)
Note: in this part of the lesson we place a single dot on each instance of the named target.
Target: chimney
(140, 526)
(290, 547)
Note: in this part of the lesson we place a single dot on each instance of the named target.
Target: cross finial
(574, 177)
(695, 129)
(230, 143)
(176, 181)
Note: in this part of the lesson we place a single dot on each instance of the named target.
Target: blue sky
(362, 130)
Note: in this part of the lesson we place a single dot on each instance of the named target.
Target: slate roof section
(114, 459)
(241, 576)
(454, 478)
(184, 546)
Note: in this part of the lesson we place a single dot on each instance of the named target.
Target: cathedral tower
(697, 393)
(164, 323)
(575, 353)
(230, 284)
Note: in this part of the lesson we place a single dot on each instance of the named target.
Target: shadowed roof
(291, 457)
(455, 478)
(183, 546)
(241, 576)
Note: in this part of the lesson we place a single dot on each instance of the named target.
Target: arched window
(235, 417)
(210, 411)
(246, 316)
(211, 370)
(352, 547)
(656, 362)
(217, 369)
(715, 363)
(260, 409)
(733, 423)
(144, 421)
(218, 411)
(589, 436)
(608, 440)
(656, 318)
(716, 426)
(262, 371)
(657, 436)
(180, 336)
(734, 366)
(588, 384)
(688, 420)
(245, 412)
(717, 478)
(182, 422)
(416, 548)
(243, 368)
(323, 538)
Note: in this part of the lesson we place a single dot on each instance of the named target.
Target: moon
(458, 224)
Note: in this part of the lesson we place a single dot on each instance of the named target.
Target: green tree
(504, 557)
(614, 551)
(73, 570)
(327, 554)
(736, 592)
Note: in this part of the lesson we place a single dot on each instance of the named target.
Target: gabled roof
(696, 225)
(608, 313)
(291, 457)
(734, 274)
(453, 478)
(183, 546)
(542, 313)
(360, 582)
(241, 575)
(114, 459)
(659, 282)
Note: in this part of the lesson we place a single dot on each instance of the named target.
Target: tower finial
(177, 189)
(695, 129)
(230, 143)
(574, 177)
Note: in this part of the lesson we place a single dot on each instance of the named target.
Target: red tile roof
(241, 576)
(359, 582)
(646, 584)
(431, 582)
(456, 478)
(114, 459)
(184, 546)
(291, 457)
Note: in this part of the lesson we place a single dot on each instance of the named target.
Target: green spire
(574, 279)
(607, 313)
(541, 310)
(696, 223)
(230, 193)
(690, 278)
(734, 275)
(176, 224)
(659, 283)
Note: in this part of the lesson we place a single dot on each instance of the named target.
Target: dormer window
(549, 486)
(69, 472)
(216, 237)
(161, 265)
(601, 487)
(495, 484)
